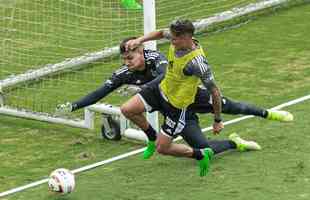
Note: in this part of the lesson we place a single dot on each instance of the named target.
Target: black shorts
(174, 119)
(203, 102)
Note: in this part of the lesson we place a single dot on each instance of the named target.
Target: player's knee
(126, 110)
(162, 149)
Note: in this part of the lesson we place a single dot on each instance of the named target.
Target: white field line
(122, 156)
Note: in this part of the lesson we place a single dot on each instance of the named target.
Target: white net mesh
(41, 32)
(167, 10)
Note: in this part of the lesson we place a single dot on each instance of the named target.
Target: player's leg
(165, 146)
(196, 139)
(234, 108)
(201, 146)
(174, 123)
(134, 110)
(146, 100)
(203, 104)
(201, 150)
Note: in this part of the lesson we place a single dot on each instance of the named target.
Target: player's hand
(63, 109)
(132, 44)
(129, 90)
(132, 89)
(217, 127)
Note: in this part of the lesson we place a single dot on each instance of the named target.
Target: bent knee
(126, 110)
(132, 107)
(161, 149)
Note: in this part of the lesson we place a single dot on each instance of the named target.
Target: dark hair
(122, 46)
(182, 27)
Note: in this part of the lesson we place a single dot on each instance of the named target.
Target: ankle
(150, 133)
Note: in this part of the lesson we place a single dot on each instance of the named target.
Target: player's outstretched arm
(91, 98)
(109, 86)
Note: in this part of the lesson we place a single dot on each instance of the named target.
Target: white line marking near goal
(88, 167)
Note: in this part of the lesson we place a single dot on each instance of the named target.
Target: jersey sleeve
(199, 67)
(160, 70)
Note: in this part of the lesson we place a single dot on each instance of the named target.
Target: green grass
(265, 62)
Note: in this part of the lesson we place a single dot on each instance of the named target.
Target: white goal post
(82, 61)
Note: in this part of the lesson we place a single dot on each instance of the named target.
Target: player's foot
(244, 145)
(280, 115)
(150, 149)
(205, 162)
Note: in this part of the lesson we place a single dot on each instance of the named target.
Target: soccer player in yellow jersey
(176, 96)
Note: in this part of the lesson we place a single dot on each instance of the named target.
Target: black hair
(182, 27)
(122, 46)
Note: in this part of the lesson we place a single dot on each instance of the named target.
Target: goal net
(56, 51)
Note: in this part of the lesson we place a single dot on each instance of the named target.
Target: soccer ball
(61, 181)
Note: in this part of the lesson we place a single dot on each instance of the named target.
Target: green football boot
(280, 115)
(244, 145)
(150, 149)
(205, 162)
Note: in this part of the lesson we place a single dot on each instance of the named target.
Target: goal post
(149, 26)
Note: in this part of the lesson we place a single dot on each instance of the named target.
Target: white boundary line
(122, 156)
